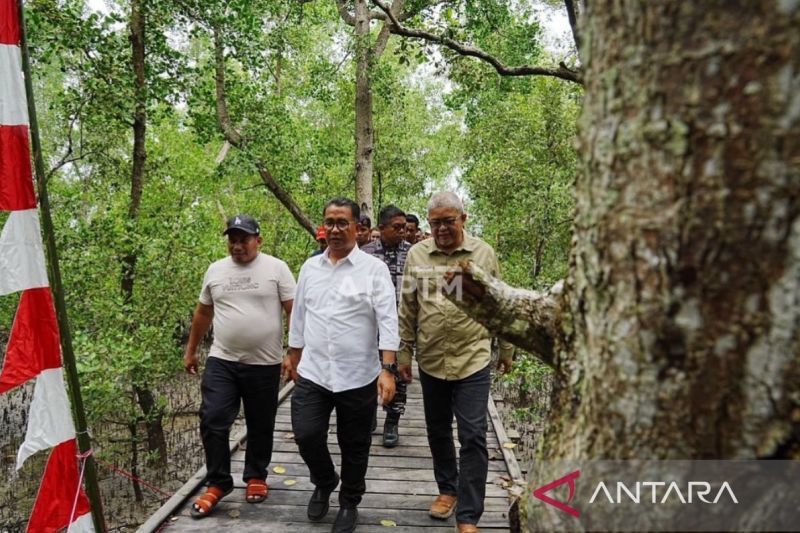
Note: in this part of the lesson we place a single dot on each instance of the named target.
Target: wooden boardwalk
(400, 484)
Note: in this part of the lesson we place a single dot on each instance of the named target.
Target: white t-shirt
(248, 317)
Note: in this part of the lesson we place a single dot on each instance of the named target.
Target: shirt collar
(400, 246)
(353, 257)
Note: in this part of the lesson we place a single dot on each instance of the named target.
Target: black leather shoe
(391, 435)
(346, 520)
(318, 504)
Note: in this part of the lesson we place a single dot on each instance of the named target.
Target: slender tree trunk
(366, 55)
(364, 130)
(678, 335)
(137, 25)
(153, 415)
(137, 487)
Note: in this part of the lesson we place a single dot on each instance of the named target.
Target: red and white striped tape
(33, 349)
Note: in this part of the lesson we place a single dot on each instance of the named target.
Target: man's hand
(404, 372)
(290, 362)
(190, 362)
(386, 387)
(504, 365)
(201, 322)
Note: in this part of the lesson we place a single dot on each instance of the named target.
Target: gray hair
(446, 199)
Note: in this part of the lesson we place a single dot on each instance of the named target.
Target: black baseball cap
(244, 223)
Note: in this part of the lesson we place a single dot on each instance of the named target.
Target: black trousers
(397, 406)
(466, 399)
(311, 411)
(225, 384)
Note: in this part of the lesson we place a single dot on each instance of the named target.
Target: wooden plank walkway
(400, 484)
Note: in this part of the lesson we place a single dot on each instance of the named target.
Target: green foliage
(175, 241)
(520, 150)
(290, 91)
(519, 163)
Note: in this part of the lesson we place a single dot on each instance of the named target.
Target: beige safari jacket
(449, 344)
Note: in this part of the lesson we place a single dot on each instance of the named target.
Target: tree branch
(66, 159)
(572, 15)
(350, 19)
(383, 36)
(561, 72)
(223, 118)
(529, 319)
(235, 139)
(347, 17)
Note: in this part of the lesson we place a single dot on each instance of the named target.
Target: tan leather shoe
(443, 506)
(467, 528)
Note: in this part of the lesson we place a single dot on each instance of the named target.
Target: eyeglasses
(399, 227)
(340, 224)
(449, 222)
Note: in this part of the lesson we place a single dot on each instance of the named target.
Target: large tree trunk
(684, 291)
(364, 141)
(680, 330)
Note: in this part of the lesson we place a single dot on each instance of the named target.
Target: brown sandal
(257, 490)
(206, 503)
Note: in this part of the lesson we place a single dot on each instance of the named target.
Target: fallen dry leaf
(388, 523)
(516, 490)
(289, 482)
(279, 470)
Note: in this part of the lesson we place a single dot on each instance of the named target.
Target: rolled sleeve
(407, 319)
(385, 305)
(298, 321)
(505, 348)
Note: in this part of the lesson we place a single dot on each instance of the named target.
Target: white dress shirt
(339, 312)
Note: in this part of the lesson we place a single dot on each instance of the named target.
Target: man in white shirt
(344, 300)
(244, 295)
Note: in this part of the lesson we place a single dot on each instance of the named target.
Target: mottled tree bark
(363, 107)
(680, 332)
(529, 319)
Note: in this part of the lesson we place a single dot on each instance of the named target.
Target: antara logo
(569, 479)
(694, 492)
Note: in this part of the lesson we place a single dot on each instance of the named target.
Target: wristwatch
(391, 367)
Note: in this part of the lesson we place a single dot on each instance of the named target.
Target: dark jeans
(224, 385)
(467, 399)
(311, 412)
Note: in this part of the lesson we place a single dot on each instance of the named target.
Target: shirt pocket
(429, 282)
(351, 293)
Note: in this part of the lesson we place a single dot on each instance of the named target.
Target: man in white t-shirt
(244, 296)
